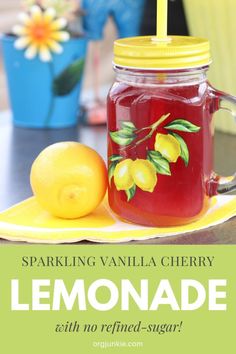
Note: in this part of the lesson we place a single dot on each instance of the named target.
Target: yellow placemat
(28, 222)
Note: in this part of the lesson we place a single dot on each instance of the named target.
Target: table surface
(19, 147)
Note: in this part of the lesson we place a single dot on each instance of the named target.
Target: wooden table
(19, 147)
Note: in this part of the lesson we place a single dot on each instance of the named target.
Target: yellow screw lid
(179, 52)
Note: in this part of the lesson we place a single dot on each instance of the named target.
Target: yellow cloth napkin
(27, 221)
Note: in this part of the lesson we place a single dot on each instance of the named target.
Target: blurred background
(9, 10)
(211, 19)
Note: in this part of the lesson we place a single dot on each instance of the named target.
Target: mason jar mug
(160, 131)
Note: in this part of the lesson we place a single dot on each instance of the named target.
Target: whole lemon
(122, 175)
(144, 175)
(168, 146)
(69, 179)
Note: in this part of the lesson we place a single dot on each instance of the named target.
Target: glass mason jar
(160, 131)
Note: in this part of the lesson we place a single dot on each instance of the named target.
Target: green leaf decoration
(131, 193)
(68, 79)
(184, 148)
(123, 137)
(183, 125)
(111, 170)
(128, 126)
(113, 158)
(161, 165)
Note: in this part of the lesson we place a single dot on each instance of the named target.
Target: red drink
(160, 132)
(183, 196)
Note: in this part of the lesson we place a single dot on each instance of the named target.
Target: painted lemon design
(69, 179)
(122, 175)
(144, 175)
(168, 146)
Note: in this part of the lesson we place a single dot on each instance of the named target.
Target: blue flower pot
(45, 95)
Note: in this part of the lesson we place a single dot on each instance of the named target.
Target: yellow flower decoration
(39, 33)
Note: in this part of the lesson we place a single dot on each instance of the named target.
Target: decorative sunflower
(40, 33)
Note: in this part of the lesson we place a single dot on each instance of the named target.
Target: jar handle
(219, 184)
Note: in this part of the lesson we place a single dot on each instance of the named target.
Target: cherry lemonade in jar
(160, 131)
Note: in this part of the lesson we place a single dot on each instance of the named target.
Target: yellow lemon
(122, 176)
(69, 179)
(168, 146)
(144, 175)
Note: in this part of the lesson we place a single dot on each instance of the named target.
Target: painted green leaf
(127, 133)
(68, 79)
(128, 125)
(161, 165)
(131, 193)
(113, 158)
(122, 137)
(183, 125)
(184, 148)
(111, 170)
